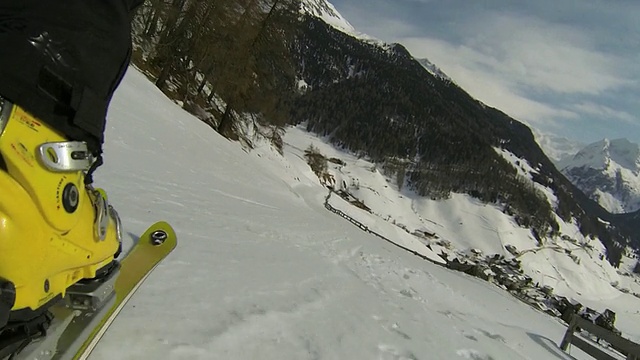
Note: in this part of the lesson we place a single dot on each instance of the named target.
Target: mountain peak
(608, 171)
(606, 155)
(328, 13)
(625, 153)
(433, 69)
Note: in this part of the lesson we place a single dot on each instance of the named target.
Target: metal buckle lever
(66, 156)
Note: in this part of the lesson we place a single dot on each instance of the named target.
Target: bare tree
(237, 49)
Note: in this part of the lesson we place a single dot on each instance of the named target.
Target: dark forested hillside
(380, 102)
(222, 59)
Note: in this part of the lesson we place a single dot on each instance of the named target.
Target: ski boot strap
(60, 156)
(66, 156)
(5, 113)
(104, 211)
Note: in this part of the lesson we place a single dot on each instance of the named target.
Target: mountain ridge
(434, 69)
(608, 171)
(397, 109)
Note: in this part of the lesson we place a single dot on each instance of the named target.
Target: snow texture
(264, 271)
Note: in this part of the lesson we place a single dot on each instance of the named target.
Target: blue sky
(567, 67)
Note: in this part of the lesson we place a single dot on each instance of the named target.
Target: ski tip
(160, 233)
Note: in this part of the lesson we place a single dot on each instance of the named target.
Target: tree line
(226, 57)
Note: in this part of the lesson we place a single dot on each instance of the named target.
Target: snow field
(264, 271)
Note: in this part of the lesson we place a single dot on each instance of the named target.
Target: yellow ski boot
(54, 230)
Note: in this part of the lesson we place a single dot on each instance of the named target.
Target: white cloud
(472, 71)
(546, 56)
(508, 61)
(534, 55)
(605, 112)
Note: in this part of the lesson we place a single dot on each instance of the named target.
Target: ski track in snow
(264, 271)
(245, 200)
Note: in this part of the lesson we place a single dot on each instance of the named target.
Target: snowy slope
(264, 271)
(466, 224)
(324, 10)
(608, 171)
(434, 70)
(328, 13)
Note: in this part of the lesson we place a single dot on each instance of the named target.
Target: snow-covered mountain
(433, 69)
(328, 13)
(556, 147)
(264, 271)
(608, 171)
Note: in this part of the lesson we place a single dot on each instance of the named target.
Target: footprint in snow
(497, 337)
(390, 352)
(396, 329)
(472, 354)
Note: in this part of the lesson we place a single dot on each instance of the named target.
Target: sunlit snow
(264, 271)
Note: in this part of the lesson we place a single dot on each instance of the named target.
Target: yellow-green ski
(154, 245)
(78, 326)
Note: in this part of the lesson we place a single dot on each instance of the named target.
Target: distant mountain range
(608, 171)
